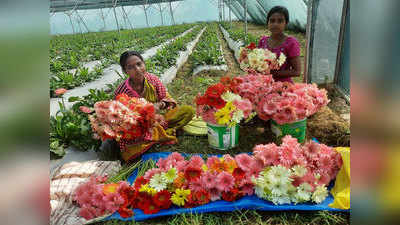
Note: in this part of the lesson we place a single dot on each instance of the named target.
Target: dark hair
(124, 56)
(279, 9)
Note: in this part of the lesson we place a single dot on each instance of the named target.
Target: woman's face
(276, 23)
(135, 67)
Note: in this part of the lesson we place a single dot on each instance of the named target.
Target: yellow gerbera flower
(180, 196)
(229, 107)
(222, 116)
(146, 188)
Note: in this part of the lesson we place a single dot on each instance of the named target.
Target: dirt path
(233, 66)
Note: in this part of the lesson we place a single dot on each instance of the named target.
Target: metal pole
(102, 17)
(162, 20)
(70, 20)
(223, 10)
(230, 18)
(172, 14)
(115, 15)
(245, 19)
(126, 15)
(145, 13)
(84, 24)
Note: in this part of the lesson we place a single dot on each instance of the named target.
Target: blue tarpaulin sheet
(247, 202)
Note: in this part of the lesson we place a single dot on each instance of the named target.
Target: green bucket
(296, 129)
(222, 137)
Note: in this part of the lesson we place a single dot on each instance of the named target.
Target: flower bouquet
(259, 59)
(287, 104)
(125, 118)
(289, 173)
(222, 110)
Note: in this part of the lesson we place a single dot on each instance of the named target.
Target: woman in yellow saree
(142, 84)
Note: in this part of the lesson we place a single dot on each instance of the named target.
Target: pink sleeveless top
(290, 47)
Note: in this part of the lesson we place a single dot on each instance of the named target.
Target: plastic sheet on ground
(247, 202)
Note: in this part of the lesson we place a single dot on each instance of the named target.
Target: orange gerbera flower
(110, 188)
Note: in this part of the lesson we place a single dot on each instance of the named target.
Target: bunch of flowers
(287, 103)
(219, 105)
(281, 101)
(259, 59)
(293, 173)
(124, 118)
(96, 198)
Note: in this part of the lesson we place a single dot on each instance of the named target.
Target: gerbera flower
(60, 91)
(225, 181)
(196, 161)
(195, 185)
(238, 174)
(231, 195)
(85, 109)
(215, 90)
(246, 186)
(110, 188)
(170, 175)
(208, 180)
(180, 180)
(162, 199)
(158, 182)
(125, 212)
(151, 208)
(139, 182)
(251, 46)
(147, 189)
(244, 161)
(192, 173)
(149, 173)
(87, 212)
(319, 194)
(223, 116)
(202, 196)
(268, 154)
(180, 196)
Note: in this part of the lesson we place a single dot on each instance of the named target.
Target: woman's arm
(293, 71)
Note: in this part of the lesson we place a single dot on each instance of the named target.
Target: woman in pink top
(278, 42)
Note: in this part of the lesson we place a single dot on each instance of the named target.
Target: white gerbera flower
(319, 194)
(299, 170)
(279, 199)
(259, 191)
(237, 116)
(158, 182)
(281, 173)
(282, 59)
(279, 188)
(230, 97)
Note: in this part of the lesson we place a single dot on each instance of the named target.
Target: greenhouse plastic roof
(66, 5)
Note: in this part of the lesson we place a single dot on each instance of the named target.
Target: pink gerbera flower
(246, 186)
(225, 181)
(196, 161)
(244, 161)
(268, 154)
(85, 109)
(149, 173)
(196, 185)
(208, 180)
(87, 212)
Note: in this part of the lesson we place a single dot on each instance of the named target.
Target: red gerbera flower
(231, 195)
(139, 181)
(123, 98)
(162, 199)
(251, 46)
(151, 208)
(216, 102)
(125, 212)
(202, 197)
(215, 90)
(141, 200)
(238, 174)
(128, 193)
(192, 173)
(190, 201)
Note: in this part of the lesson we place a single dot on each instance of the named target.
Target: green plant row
(208, 49)
(71, 127)
(67, 51)
(166, 56)
(69, 80)
(238, 34)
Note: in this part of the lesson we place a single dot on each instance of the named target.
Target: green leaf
(74, 99)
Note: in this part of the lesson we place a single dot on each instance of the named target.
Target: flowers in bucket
(281, 101)
(293, 173)
(288, 103)
(124, 118)
(259, 59)
(220, 106)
